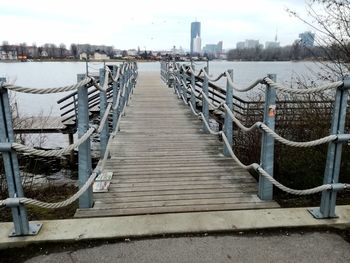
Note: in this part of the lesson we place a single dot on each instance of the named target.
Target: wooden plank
(179, 202)
(174, 209)
(173, 192)
(116, 188)
(209, 179)
(122, 199)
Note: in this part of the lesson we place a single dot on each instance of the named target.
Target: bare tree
(5, 46)
(62, 49)
(74, 50)
(330, 19)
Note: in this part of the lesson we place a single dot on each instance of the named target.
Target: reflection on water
(54, 74)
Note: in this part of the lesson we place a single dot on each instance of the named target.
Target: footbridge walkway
(161, 151)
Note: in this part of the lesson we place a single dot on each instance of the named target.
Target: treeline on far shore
(287, 53)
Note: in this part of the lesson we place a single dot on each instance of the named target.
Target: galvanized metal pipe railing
(265, 170)
(123, 81)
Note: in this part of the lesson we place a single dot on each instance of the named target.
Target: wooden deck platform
(42, 124)
(163, 163)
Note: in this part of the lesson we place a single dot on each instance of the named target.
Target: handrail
(17, 201)
(188, 82)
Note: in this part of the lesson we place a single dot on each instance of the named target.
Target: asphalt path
(260, 247)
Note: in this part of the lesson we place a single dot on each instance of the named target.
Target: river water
(54, 74)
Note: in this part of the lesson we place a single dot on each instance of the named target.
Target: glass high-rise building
(195, 31)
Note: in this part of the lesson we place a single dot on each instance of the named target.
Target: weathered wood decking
(163, 163)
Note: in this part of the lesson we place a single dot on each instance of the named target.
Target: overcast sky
(150, 24)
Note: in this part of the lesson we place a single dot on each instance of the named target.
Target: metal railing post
(193, 84)
(205, 104)
(267, 142)
(228, 125)
(19, 213)
(103, 106)
(84, 154)
(177, 81)
(331, 174)
(184, 87)
(128, 85)
(116, 90)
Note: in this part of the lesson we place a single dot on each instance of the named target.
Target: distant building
(251, 43)
(307, 39)
(195, 31)
(209, 48)
(213, 49)
(197, 45)
(240, 45)
(90, 49)
(133, 52)
(272, 44)
(219, 47)
(83, 55)
(9, 55)
(100, 56)
(248, 44)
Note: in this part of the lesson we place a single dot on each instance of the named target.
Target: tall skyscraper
(195, 31)
(197, 45)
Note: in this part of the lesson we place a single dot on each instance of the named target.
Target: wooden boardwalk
(163, 163)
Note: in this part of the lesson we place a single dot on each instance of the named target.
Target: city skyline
(151, 25)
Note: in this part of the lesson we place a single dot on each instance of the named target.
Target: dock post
(121, 89)
(177, 82)
(193, 84)
(116, 90)
(70, 142)
(228, 125)
(84, 154)
(331, 174)
(267, 142)
(184, 87)
(19, 213)
(205, 104)
(103, 106)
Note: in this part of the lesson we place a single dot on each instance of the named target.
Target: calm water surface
(54, 74)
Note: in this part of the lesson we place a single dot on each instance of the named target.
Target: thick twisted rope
(58, 153)
(82, 83)
(210, 78)
(54, 153)
(277, 137)
(104, 118)
(70, 200)
(322, 88)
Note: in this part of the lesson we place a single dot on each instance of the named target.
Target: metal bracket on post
(193, 84)
(205, 104)
(103, 106)
(84, 154)
(331, 174)
(228, 125)
(19, 213)
(267, 142)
